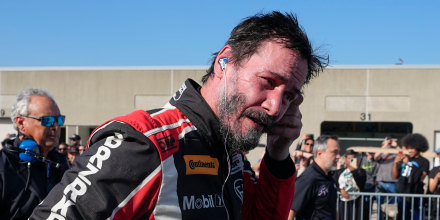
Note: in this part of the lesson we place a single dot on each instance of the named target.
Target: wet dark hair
(246, 38)
(415, 141)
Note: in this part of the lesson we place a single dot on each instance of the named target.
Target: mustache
(261, 117)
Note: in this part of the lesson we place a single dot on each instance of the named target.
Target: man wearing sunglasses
(24, 183)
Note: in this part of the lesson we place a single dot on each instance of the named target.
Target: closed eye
(269, 82)
(295, 98)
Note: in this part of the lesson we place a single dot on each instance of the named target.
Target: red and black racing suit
(169, 162)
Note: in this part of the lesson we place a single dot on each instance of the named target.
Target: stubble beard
(230, 132)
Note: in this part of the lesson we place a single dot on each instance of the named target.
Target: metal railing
(387, 206)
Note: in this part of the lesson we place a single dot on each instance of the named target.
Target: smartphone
(353, 162)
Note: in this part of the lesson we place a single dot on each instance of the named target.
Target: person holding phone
(352, 178)
(303, 155)
(410, 171)
(385, 181)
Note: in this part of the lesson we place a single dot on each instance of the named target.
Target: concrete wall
(387, 93)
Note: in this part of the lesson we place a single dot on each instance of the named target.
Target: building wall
(387, 94)
(89, 96)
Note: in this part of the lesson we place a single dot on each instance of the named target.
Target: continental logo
(201, 164)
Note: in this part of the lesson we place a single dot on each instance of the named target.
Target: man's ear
(19, 121)
(225, 52)
(318, 153)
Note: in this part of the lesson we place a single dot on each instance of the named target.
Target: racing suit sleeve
(106, 180)
(271, 196)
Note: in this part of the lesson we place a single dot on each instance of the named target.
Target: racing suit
(168, 163)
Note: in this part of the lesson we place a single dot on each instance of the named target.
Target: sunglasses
(47, 121)
(309, 144)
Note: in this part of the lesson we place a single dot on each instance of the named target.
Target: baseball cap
(72, 149)
(75, 137)
(437, 151)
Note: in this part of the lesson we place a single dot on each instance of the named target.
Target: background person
(62, 149)
(370, 166)
(167, 160)
(434, 188)
(437, 159)
(72, 153)
(385, 182)
(8, 137)
(303, 155)
(35, 116)
(349, 179)
(315, 190)
(411, 170)
(75, 140)
(81, 149)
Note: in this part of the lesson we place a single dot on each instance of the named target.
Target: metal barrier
(387, 206)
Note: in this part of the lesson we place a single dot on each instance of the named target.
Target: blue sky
(186, 33)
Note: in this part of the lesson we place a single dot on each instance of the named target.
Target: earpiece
(222, 63)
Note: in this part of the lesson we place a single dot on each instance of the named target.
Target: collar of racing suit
(189, 100)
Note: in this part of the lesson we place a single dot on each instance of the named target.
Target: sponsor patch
(202, 202)
(179, 93)
(201, 164)
(323, 190)
(237, 163)
(166, 143)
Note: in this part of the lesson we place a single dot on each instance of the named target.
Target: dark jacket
(410, 175)
(315, 195)
(13, 176)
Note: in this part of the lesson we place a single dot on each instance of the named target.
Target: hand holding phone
(353, 163)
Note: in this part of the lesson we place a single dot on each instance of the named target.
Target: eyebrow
(284, 79)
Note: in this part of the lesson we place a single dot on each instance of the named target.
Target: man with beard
(185, 161)
(316, 191)
(26, 179)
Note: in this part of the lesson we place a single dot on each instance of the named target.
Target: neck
(210, 94)
(321, 165)
(44, 150)
(44, 153)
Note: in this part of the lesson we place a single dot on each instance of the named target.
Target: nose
(55, 125)
(274, 105)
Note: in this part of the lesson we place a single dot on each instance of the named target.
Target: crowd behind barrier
(381, 183)
(370, 209)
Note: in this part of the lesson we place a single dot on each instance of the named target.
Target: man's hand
(386, 143)
(345, 194)
(283, 133)
(349, 167)
(399, 158)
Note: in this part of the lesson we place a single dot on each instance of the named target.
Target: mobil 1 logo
(204, 201)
